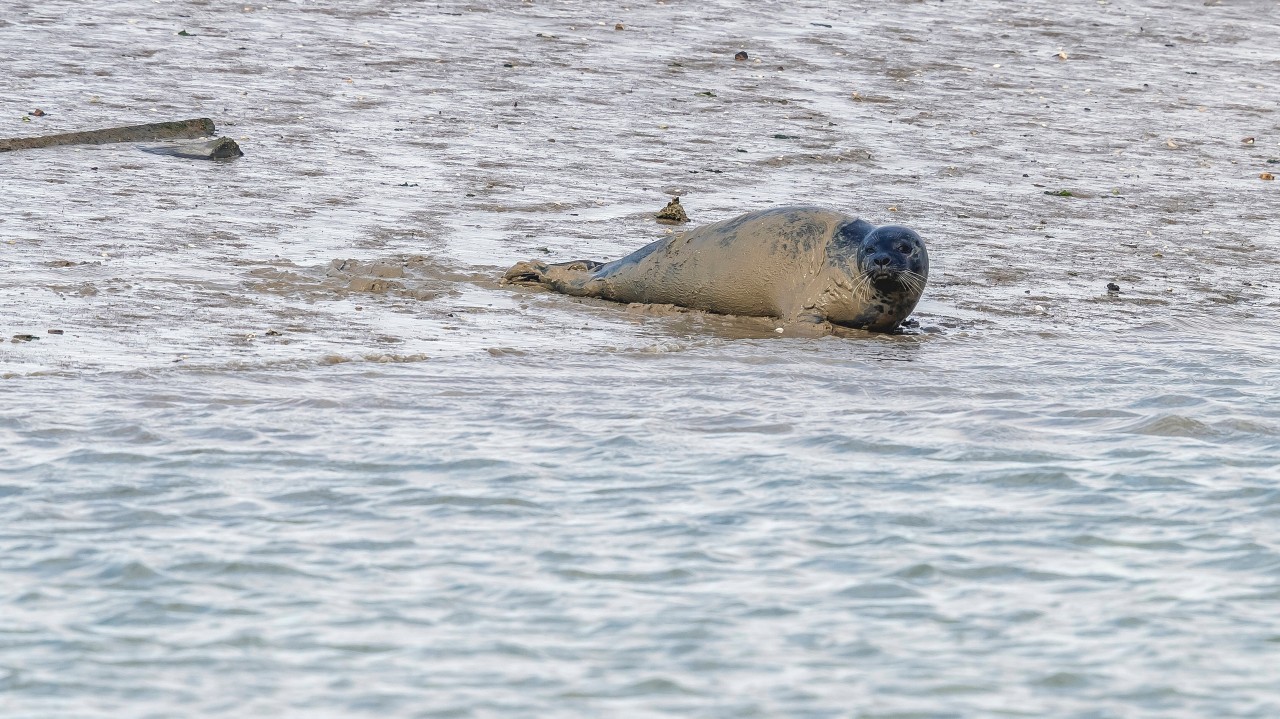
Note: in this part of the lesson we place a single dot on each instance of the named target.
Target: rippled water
(296, 453)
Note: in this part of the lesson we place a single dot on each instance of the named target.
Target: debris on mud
(673, 213)
(23, 338)
(740, 56)
(1266, 176)
(1113, 287)
(1059, 193)
(36, 113)
(55, 332)
(222, 148)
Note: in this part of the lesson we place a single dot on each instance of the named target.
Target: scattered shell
(1171, 144)
(1248, 140)
(1062, 55)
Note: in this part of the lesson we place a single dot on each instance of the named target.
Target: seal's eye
(904, 248)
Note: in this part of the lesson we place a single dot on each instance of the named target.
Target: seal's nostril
(881, 261)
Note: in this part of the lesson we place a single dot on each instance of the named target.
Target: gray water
(297, 453)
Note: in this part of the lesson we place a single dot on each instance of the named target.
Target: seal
(799, 264)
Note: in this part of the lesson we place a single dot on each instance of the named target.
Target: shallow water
(297, 453)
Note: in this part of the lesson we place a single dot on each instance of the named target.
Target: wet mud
(274, 431)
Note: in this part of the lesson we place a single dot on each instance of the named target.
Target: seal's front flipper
(806, 324)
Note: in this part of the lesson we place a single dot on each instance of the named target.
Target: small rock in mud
(1248, 141)
(55, 332)
(742, 55)
(23, 338)
(1113, 287)
(619, 27)
(37, 112)
(673, 213)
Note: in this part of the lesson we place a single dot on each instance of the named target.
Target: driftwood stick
(158, 131)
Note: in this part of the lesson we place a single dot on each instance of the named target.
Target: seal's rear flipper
(579, 266)
(536, 272)
(532, 272)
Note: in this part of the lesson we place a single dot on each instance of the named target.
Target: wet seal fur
(800, 264)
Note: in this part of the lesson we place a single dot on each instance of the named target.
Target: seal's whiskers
(914, 281)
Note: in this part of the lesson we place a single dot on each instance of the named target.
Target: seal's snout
(884, 265)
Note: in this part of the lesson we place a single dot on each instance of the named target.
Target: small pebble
(1113, 287)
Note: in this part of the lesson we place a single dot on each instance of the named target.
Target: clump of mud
(411, 276)
(673, 213)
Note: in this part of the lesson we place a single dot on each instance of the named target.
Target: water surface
(296, 453)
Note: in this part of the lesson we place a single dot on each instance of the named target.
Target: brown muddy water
(296, 453)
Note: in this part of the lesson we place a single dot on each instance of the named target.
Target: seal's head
(893, 259)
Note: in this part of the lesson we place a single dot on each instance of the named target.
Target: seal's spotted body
(794, 263)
